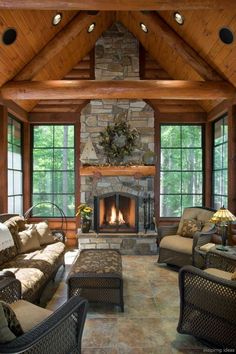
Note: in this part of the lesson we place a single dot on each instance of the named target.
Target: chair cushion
(28, 240)
(22, 310)
(10, 327)
(44, 232)
(219, 273)
(201, 214)
(177, 243)
(233, 277)
(190, 226)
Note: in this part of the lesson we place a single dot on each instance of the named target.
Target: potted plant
(85, 213)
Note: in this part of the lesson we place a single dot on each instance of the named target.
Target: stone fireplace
(123, 204)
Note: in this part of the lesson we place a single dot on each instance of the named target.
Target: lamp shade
(222, 215)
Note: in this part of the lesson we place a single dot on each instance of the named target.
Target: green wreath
(118, 141)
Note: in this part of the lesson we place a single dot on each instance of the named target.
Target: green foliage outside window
(180, 169)
(53, 169)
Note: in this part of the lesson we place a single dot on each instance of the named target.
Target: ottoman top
(99, 262)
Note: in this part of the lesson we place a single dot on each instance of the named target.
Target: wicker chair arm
(167, 230)
(59, 333)
(220, 261)
(202, 238)
(10, 288)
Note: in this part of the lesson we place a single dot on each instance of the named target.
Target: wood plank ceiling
(190, 52)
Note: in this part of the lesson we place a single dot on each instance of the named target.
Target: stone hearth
(129, 244)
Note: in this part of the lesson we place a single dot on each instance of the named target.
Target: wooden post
(27, 177)
(232, 159)
(207, 181)
(3, 160)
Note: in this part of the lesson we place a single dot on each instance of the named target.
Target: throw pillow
(28, 240)
(10, 327)
(190, 226)
(44, 233)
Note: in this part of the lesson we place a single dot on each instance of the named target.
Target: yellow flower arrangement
(85, 211)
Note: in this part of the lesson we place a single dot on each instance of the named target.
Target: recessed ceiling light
(226, 35)
(91, 27)
(56, 19)
(9, 36)
(179, 18)
(144, 27)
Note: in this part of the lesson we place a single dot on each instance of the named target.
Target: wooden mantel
(136, 171)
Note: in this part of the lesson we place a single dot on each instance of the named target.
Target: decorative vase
(85, 225)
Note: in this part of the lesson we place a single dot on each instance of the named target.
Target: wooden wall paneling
(54, 118)
(16, 110)
(232, 159)
(192, 117)
(3, 159)
(27, 168)
(34, 30)
(219, 110)
(107, 5)
(143, 89)
(207, 158)
(67, 56)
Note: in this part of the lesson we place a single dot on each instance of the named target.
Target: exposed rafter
(117, 4)
(146, 89)
(59, 57)
(158, 27)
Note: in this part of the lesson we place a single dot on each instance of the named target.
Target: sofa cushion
(15, 225)
(201, 214)
(22, 309)
(7, 246)
(190, 226)
(10, 327)
(177, 243)
(44, 232)
(28, 240)
(219, 273)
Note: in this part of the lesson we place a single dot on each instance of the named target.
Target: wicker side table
(214, 257)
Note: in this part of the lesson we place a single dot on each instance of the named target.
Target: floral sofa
(33, 256)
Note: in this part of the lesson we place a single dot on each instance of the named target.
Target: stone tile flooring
(148, 325)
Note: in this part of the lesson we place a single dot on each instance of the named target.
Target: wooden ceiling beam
(119, 5)
(144, 89)
(158, 27)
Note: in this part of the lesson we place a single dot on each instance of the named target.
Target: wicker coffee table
(96, 275)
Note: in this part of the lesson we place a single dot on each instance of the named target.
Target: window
(220, 163)
(15, 173)
(53, 170)
(181, 174)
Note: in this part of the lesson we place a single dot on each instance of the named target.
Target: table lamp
(223, 217)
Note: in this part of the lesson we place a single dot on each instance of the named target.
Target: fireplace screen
(116, 212)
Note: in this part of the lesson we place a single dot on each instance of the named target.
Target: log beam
(120, 5)
(145, 89)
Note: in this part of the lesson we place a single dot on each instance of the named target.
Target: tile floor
(148, 325)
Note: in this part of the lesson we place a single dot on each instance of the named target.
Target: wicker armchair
(208, 302)
(177, 250)
(61, 332)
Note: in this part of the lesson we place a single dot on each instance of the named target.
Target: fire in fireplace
(116, 212)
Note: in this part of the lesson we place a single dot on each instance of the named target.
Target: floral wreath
(118, 141)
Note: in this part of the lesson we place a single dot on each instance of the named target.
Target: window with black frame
(53, 170)
(15, 170)
(220, 163)
(181, 168)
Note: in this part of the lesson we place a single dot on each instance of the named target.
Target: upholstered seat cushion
(22, 309)
(177, 243)
(219, 273)
(33, 268)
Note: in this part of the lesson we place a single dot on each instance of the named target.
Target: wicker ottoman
(96, 275)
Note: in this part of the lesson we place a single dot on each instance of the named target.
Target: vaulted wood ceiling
(191, 52)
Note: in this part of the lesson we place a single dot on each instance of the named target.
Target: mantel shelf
(136, 171)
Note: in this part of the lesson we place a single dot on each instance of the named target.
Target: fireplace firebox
(116, 212)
